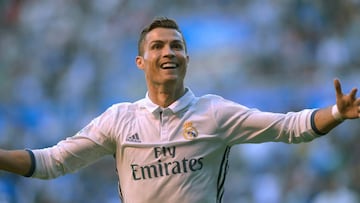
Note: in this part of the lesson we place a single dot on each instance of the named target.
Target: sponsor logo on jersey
(166, 164)
(134, 138)
(190, 132)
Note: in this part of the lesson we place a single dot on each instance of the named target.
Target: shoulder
(219, 106)
(214, 99)
(211, 98)
(122, 106)
(120, 109)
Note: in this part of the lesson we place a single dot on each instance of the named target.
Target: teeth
(169, 65)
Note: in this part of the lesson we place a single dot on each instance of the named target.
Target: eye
(156, 46)
(178, 46)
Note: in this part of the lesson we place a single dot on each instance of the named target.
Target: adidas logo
(133, 138)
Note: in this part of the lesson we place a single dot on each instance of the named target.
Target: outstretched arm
(347, 107)
(16, 161)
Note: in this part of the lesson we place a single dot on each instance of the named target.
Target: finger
(337, 86)
(357, 102)
(353, 93)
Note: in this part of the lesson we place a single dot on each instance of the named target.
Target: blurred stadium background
(64, 62)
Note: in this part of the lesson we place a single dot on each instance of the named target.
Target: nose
(168, 51)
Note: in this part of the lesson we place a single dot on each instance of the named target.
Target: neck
(165, 96)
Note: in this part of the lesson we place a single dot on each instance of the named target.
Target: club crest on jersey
(190, 132)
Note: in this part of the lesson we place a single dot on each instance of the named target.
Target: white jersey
(177, 154)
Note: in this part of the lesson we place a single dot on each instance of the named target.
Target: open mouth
(169, 65)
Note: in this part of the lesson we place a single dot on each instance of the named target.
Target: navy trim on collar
(175, 107)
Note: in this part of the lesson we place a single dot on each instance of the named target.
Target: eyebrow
(161, 41)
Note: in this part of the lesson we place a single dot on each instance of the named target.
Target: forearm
(324, 120)
(15, 161)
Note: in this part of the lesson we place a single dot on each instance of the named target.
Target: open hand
(348, 104)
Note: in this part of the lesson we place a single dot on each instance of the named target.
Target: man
(172, 146)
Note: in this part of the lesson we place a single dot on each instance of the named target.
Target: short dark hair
(158, 22)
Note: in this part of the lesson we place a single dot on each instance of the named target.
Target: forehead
(163, 34)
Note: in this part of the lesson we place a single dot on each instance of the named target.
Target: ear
(139, 60)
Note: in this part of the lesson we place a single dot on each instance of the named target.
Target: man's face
(164, 59)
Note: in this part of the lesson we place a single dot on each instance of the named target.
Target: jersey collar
(175, 107)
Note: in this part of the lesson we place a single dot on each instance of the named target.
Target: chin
(172, 80)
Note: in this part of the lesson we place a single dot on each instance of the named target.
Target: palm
(348, 104)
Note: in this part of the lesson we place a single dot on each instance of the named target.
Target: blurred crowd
(63, 62)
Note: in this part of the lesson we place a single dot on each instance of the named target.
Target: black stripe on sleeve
(33, 163)
(313, 126)
(222, 174)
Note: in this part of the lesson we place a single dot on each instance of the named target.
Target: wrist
(336, 114)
